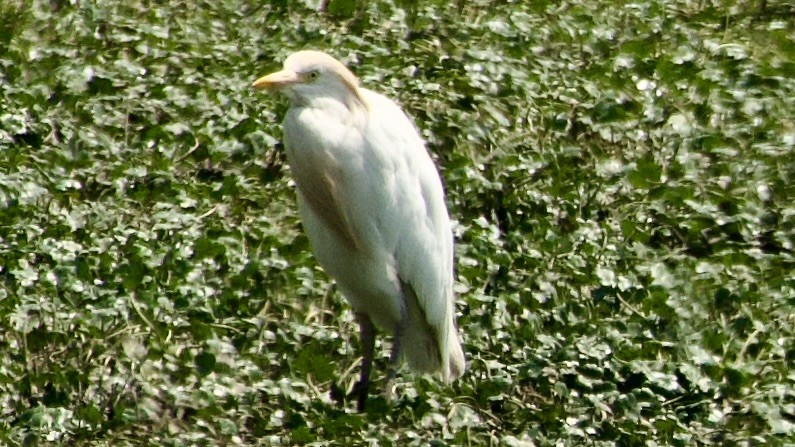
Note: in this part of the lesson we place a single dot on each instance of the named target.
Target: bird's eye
(312, 75)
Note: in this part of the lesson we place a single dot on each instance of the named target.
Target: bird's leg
(394, 356)
(367, 331)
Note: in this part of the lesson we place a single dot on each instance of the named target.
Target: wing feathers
(319, 186)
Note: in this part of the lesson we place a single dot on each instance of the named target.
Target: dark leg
(397, 349)
(367, 331)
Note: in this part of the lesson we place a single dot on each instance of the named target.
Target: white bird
(372, 205)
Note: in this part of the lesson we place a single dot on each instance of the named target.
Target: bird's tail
(431, 348)
(453, 363)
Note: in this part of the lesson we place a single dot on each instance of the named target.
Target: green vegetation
(621, 175)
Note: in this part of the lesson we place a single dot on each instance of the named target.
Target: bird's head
(310, 75)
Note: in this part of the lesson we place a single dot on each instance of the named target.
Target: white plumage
(373, 207)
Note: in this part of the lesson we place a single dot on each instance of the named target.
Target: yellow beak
(277, 81)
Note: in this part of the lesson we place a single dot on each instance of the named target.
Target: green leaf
(205, 363)
(645, 173)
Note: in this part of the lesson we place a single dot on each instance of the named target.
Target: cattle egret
(372, 204)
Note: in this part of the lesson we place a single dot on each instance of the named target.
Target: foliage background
(620, 173)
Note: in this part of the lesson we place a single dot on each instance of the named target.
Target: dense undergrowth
(620, 174)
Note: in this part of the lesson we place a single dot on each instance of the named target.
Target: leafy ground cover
(621, 176)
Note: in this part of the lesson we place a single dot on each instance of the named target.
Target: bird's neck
(351, 106)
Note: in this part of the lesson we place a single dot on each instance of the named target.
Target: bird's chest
(333, 169)
(324, 143)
